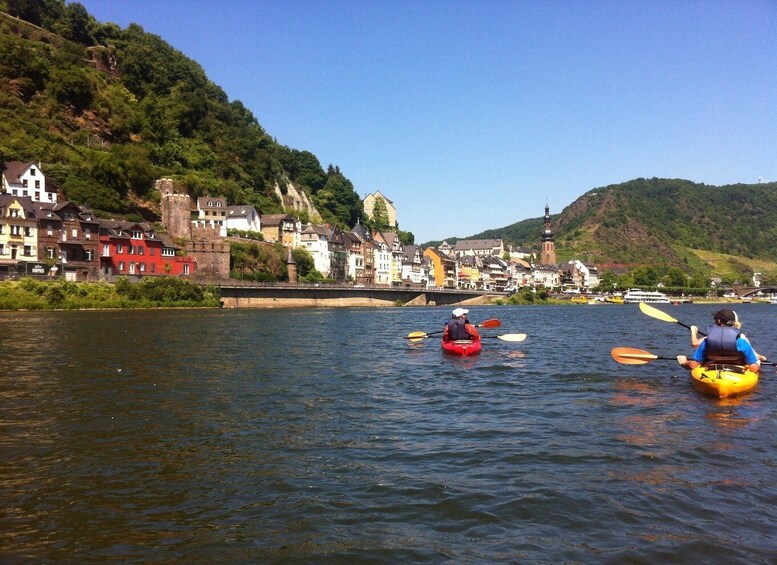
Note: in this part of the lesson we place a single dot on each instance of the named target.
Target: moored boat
(723, 381)
(464, 347)
(635, 295)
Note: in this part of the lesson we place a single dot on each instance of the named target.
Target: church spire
(548, 251)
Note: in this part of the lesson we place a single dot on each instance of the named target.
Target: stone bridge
(749, 291)
(236, 294)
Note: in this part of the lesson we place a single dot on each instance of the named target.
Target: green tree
(675, 277)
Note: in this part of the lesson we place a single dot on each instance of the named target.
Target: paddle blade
(489, 324)
(417, 336)
(512, 337)
(656, 313)
(631, 356)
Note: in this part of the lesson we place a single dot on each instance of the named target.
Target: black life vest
(722, 345)
(456, 329)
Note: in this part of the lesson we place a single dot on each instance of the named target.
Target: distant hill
(108, 110)
(663, 222)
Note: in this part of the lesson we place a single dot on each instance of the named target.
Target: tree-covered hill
(660, 222)
(109, 110)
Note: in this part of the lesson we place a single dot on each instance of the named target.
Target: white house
(382, 260)
(244, 218)
(212, 213)
(316, 240)
(26, 179)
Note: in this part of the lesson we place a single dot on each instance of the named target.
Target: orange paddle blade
(489, 324)
(632, 356)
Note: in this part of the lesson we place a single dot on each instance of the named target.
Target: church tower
(548, 251)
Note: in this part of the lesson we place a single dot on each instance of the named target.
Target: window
(141, 250)
(121, 265)
(32, 171)
(186, 268)
(168, 252)
(37, 196)
(74, 232)
(119, 248)
(106, 250)
(37, 184)
(137, 234)
(16, 230)
(142, 267)
(2, 229)
(27, 231)
(24, 183)
(15, 213)
(2, 248)
(153, 268)
(27, 250)
(50, 252)
(88, 255)
(51, 197)
(132, 268)
(131, 249)
(50, 230)
(87, 233)
(152, 251)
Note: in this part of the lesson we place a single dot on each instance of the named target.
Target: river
(323, 436)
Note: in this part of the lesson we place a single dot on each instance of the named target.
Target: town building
(136, 249)
(479, 247)
(243, 218)
(369, 207)
(27, 179)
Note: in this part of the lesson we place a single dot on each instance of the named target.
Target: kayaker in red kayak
(459, 327)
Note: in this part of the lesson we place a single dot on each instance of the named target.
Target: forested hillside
(664, 223)
(107, 111)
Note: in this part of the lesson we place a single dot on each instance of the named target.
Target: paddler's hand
(682, 359)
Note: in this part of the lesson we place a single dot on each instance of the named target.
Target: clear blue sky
(470, 115)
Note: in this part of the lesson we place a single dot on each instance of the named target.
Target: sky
(471, 115)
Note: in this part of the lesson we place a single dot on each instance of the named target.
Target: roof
(276, 219)
(473, 244)
(211, 202)
(241, 211)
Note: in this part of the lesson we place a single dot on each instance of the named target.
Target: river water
(323, 436)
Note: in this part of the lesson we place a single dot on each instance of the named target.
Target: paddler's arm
(695, 339)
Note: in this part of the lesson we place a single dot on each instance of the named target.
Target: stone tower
(291, 267)
(548, 251)
(176, 210)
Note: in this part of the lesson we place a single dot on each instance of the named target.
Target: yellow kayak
(723, 381)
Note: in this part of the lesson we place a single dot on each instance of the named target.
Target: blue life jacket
(456, 329)
(722, 345)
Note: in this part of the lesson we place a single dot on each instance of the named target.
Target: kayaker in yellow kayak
(459, 327)
(724, 344)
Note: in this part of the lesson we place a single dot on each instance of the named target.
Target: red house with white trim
(135, 249)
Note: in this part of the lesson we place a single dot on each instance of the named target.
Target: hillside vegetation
(727, 231)
(108, 110)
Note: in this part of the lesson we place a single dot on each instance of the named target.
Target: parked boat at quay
(635, 296)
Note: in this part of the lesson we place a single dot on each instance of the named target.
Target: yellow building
(369, 206)
(443, 268)
(18, 230)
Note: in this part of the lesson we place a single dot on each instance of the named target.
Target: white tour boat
(635, 295)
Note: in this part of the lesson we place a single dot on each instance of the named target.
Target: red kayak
(462, 347)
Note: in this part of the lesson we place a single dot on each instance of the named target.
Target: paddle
(423, 335)
(663, 316)
(508, 337)
(632, 356)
